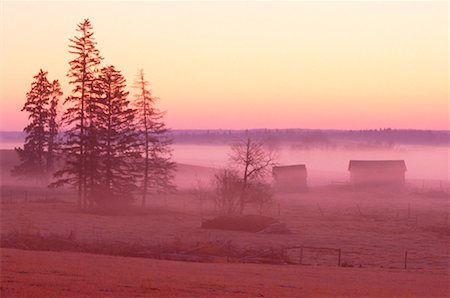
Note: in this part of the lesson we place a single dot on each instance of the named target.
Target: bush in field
(226, 191)
(260, 195)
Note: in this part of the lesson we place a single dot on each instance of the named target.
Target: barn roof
(377, 165)
(291, 168)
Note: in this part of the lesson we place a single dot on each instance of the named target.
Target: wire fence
(317, 256)
(29, 195)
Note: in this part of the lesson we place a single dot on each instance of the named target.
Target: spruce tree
(81, 74)
(33, 153)
(157, 166)
(53, 124)
(116, 139)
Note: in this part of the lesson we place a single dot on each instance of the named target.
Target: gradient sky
(343, 65)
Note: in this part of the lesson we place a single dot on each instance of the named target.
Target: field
(373, 232)
(378, 234)
(38, 274)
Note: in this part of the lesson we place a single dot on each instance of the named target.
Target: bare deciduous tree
(253, 161)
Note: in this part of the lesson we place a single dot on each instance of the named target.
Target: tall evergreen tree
(33, 154)
(116, 139)
(157, 167)
(53, 124)
(82, 69)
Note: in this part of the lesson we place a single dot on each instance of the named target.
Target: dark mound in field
(247, 223)
(276, 228)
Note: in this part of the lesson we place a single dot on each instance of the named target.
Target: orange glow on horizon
(343, 65)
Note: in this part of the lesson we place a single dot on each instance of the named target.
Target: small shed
(290, 178)
(377, 173)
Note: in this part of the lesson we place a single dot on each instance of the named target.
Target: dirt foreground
(38, 274)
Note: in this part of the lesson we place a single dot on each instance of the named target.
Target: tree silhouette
(254, 161)
(157, 166)
(33, 154)
(53, 124)
(117, 140)
(81, 74)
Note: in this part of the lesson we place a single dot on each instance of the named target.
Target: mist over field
(224, 149)
(380, 235)
(383, 231)
(326, 154)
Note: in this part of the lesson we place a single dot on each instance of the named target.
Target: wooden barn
(290, 178)
(377, 173)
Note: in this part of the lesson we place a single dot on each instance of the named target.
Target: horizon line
(290, 128)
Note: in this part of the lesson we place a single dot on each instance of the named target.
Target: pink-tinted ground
(50, 274)
(372, 229)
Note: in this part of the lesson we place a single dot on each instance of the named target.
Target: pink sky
(344, 65)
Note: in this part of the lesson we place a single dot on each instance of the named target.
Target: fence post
(301, 255)
(339, 258)
(272, 255)
(320, 209)
(359, 210)
(406, 258)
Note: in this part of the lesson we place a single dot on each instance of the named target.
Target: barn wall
(290, 183)
(363, 177)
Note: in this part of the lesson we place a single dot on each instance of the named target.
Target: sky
(238, 65)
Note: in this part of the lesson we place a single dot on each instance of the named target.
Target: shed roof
(291, 168)
(377, 165)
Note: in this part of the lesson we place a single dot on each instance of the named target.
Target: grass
(211, 251)
(372, 230)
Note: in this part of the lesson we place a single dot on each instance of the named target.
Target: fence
(34, 195)
(429, 185)
(290, 252)
(333, 256)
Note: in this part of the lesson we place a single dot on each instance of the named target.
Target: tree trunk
(245, 178)
(145, 182)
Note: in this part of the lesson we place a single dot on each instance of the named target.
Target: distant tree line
(318, 137)
(111, 147)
